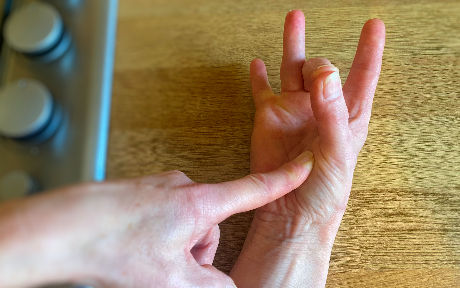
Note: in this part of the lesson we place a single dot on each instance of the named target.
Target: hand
(312, 113)
(157, 231)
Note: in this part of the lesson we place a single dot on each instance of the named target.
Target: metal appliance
(56, 66)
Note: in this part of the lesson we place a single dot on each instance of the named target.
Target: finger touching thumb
(256, 190)
(329, 108)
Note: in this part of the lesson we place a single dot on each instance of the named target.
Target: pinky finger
(261, 89)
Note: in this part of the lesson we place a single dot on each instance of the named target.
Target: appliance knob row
(28, 112)
(37, 31)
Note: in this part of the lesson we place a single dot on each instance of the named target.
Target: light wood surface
(181, 100)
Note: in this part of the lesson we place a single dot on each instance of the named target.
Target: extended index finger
(219, 201)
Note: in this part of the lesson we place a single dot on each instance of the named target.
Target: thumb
(255, 190)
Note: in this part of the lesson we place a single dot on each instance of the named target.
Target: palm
(284, 127)
(299, 119)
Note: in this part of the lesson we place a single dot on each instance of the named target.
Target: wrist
(291, 252)
(34, 247)
(295, 233)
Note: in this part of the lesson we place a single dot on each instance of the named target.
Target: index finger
(222, 200)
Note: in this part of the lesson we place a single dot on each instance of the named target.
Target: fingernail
(307, 159)
(332, 86)
(323, 68)
(329, 66)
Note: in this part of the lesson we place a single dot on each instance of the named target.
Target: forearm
(273, 260)
(32, 249)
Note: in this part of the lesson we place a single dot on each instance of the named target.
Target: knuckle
(195, 198)
(261, 183)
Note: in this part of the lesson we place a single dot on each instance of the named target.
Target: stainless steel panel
(80, 82)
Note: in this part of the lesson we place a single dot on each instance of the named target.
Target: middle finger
(293, 52)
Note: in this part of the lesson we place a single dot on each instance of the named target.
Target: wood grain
(181, 100)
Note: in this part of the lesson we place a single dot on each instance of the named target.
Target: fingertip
(258, 71)
(293, 51)
(292, 174)
(295, 21)
(257, 64)
(256, 61)
(375, 23)
(305, 163)
(374, 30)
(295, 14)
(261, 89)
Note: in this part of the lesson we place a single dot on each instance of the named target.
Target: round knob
(26, 108)
(34, 28)
(16, 184)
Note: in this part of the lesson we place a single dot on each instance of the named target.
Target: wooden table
(181, 100)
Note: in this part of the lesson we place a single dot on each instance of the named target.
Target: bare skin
(162, 230)
(290, 239)
(155, 231)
